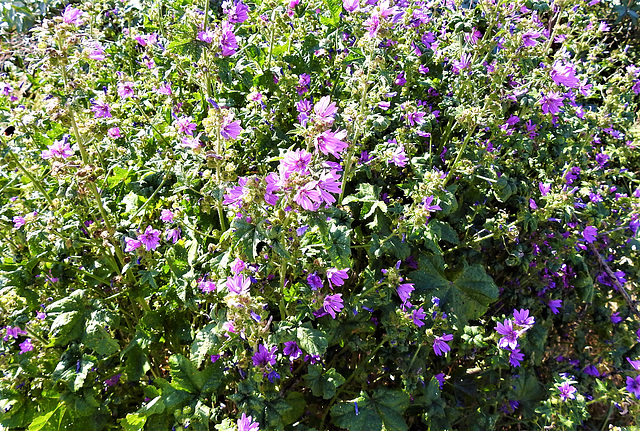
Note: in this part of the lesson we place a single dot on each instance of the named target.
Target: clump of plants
(321, 215)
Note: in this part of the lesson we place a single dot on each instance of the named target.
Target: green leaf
(312, 341)
(184, 375)
(119, 176)
(248, 236)
(383, 411)
(336, 243)
(83, 370)
(440, 230)
(67, 326)
(468, 297)
(206, 339)
(133, 422)
(47, 422)
(323, 385)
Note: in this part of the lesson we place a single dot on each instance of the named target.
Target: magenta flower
(589, 234)
(333, 304)
(125, 89)
(235, 194)
(173, 235)
(440, 346)
(350, 5)
(399, 157)
(164, 89)
(307, 196)
(166, 216)
(463, 64)
(264, 356)
(292, 350)
(295, 161)
(185, 125)
(238, 284)
(238, 266)
(206, 36)
(327, 184)
(101, 109)
(566, 391)
(228, 42)
(97, 52)
(314, 281)
(331, 143)
(510, 335)
(13, 332)
(207, 286)
(428, 201)
(131, 244)
(325, 110)
(529, 38)
(238, 13)
(544, 188)
(273, 185)
(59, 149)
(230, 129)
(551, 102)
(150, 238)
(246, 423)
(337, 277)
(372, 25)
(72, 16)
(114, 133)
(564, 74)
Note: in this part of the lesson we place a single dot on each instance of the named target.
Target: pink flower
(529, 38)
(72, 16)
(131, 244)
(172, 235)
(238, 13)
(164, 89)
(307, 196)
(207, 286)
(26, 346)
(566, 391)
(238, 266)
(228, 43)
(114, 133)
(295, 161)
(18, 222)
(97, 52)
(150, 238)
(440, 347)
(510, 338)
(325, 110)
(101, 109)
(331, 143)
(329, 183)
(564, 74)
(206, 35)
(235, 195)
(246, 423)
(350, 5)
(551, 102)
(238, 284)
(185, 125)
(59, 149)
(230, 129)
(166, 216)
(399, 157)
(125, 89)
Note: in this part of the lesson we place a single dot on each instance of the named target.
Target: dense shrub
(419, 215)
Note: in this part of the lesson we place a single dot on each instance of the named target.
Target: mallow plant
(321, 215)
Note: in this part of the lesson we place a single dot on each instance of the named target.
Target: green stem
(33, 179)
(271, 39)
(455, 162)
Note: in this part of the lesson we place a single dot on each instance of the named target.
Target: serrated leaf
(205, 340)
(382, 411)
(323, 384)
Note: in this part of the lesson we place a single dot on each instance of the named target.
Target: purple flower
(544, 188)
(185, 125)
(589, 234)
(551, 102)
(26, 346)
(327, 184)
(331, 142)
(463, 64)
(207, 286)
(150, 238)
(615, 318)
(510, 335)
(515, 357)
(440, 347)
(13, 332)
(72, 16)
(228, 42)
(59, 148)
(399, 157)
(19, 221)
(292, 350)
(264, 356)
(602, 159)
(564, 74)
(529, 38)
(246, 423)
(166, 216)
(125, 89)
(101, 109)
(325, 110)
(172, 235)
(566, 391)
(295, 161)
(231, 129)
(131, 244)
(307, 196)
(333, 304)
(238, 266)
(400, 79)
(97, 52)
(350, 5)
(404, 291)
(417, 315)
(112, 380)
(633, 385)
(522, 318)
(314, 281)
(554, 305)
(337, 277)
(238, 13)
(427, 202)
(592, 371)
(238, 284)
(235, 195)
